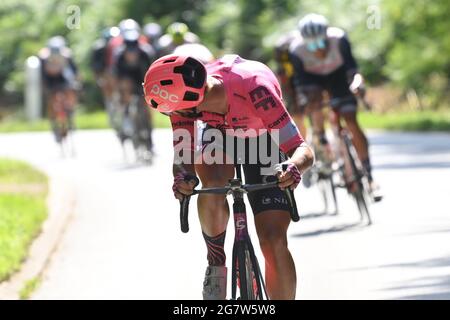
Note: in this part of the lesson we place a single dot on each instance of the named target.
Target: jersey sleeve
(346, 51)
(267, 104)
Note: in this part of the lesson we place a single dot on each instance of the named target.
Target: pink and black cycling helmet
(175, 82)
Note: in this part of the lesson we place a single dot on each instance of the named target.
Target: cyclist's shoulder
(285, 40)
(335, 33)
(296, 45)
(147, 49)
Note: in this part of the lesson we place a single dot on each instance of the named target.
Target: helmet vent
(190, 96)
(154, 103)
(193, 72)
(169, 60)
(166, 82)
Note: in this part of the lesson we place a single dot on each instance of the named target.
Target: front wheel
(246, 273)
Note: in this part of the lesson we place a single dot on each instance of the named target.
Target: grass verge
(407, 121)
(23, 209)
(402, 121)
(83, 120)
(29, 287)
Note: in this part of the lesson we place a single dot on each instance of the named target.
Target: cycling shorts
(335, 84)
(260, 201)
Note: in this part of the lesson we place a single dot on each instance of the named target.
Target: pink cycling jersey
(254, 103)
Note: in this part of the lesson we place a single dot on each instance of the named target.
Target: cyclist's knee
(271, 232)
(272, 243)
(214, 175)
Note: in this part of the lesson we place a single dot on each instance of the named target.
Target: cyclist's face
(316, 44)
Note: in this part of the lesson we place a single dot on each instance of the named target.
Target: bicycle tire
(323, 186)
(333, 194)
(247, 273)
(362, 206)
(250, 277)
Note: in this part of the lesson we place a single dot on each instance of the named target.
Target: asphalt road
(124, 240)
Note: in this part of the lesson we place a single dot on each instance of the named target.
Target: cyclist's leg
(70, 102)
(359, 138)
(272, 219)
(125, 94)
(338, 88)
(295, 108)
(213, 209)
(281, 279)
(214, 213)
(308, 97)
(55, 105)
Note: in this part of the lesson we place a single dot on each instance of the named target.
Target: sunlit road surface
(124, 240)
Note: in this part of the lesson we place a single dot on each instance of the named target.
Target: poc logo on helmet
(164, 94)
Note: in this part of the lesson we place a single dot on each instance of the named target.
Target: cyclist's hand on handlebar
(289, 178)
(357, 86)
(182, 185)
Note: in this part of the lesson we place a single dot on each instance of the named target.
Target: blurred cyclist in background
(285, 74)
(130, 63)
(99, 64)
(60, 81)
(126, 26)
(153, 32)
(323, 61)
(177, 34)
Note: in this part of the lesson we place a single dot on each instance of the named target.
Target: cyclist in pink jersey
(240, 101)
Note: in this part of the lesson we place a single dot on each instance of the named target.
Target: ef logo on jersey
(164, 94)
(262, 98)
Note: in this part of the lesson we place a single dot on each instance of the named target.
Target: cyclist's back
(133, 69)
(58, 69)
(339, 54)
(254, 98)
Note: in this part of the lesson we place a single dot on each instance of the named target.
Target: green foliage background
(409, 48)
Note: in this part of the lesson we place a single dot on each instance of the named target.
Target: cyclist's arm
(183, 144)
(298, 69)
(350, 64)
(302, 156)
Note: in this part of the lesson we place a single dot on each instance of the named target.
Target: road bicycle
(246, 272)
(347, 171)
(61, 119)
(134, 124)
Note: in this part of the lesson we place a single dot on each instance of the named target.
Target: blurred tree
(419, 55)
(410, 45)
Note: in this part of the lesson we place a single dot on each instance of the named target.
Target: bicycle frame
(244, 259)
